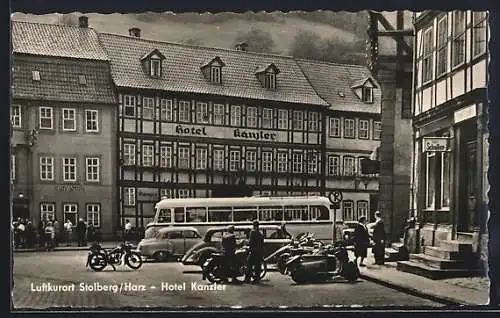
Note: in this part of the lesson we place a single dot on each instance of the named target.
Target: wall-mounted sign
(69, 187)
(147, 194)
(435, 144)
(464, 113)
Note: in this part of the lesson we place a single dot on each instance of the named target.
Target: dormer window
(270, 81)
(215, 72)
(267, 75)
(367, 94)
(155, 68)
(36, 75)
(152, 63)
(364, 89)
(212, 70)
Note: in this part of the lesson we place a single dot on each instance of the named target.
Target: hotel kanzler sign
(227, 132)
(436, 144)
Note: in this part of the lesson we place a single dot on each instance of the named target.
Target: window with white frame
(313, 121)
(282, 119)
(363, 129)
(445, 180)
(68, 119)
(155, 70)
(91, 120)
(377, 130)
(184, 111)
(215, 74)
(427, 55)
(165, 156)
(47, 211)
(148, 108)
(201, 158)
(47, 168)
(298, 120)
(129, 196)
(94, 214)
(183, 193)
(202, 112)
(69, 169)
(334, 130)
(70, 212)
(235, 115)
(282, 162)
(333, 165)
(129, 105)
(234, 160)
(166, 109)
(367, 94)
(437, 177)
(362, 209)
(267, 161)
(459, 35)
(297, 162)
(349, 129)
(251, 161)
(348, 210)
(270, 80)
(129, 154)
(219, 110)
(184, 157)
(479, 32)
(148, 155)
(251, 116)
(442, 45)
(15, 116)
(267, 118)
(219, 162)
(13, 167)
(312, 162)
(349, 166)
(45, 117)
(166, 193)
(430, 177)
(92, 167)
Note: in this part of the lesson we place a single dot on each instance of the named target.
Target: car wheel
(161, 256)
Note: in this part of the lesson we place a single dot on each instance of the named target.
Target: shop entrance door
(468, 197)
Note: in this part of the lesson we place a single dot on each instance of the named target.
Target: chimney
(83, 21)
(135, 32)
(241, 46)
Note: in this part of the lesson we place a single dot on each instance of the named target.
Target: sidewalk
(63, 247)
(453, 291)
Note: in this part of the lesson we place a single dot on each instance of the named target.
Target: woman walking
(361, 241)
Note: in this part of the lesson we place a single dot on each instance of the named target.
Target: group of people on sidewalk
(363, 240)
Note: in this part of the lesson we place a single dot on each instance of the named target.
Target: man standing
(81, 229)
(361, 240)
(229, 251)
(68, 229)
(128, 230)
(57, 232)
(379, 239)
(255, 254)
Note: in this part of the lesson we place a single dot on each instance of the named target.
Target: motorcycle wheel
(282, 262)
(350, 272)
(263, 270)
(214, 274)
(133, 260)
(299, 276)
(97, 261)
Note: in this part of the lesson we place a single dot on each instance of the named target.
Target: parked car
(169, 242)
(213, 237)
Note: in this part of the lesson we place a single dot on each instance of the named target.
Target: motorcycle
(98, 258)
(327, 262)
(214, 270)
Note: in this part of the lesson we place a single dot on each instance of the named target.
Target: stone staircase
(452, 258)
(397, 252)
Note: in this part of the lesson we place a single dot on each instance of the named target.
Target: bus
(300, 214)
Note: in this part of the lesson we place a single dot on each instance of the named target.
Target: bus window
(270, 213)
(196, 214)
(319, 213)
(220, 214)
(242, 214)
(164, 216)
(179, 215)
(294, 213)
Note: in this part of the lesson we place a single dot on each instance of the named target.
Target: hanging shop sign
(435, 144)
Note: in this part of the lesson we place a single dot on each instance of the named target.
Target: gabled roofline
(155, 51)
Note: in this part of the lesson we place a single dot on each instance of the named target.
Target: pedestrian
(55, 223)
(49, 236)
(21, 228)
(128, 231)
(256, 253)
(361, 241)
(30, 235)
(41, 234)
(81, 231)
(68, 230)
(229, 252)
(91, 235)
(378, 239)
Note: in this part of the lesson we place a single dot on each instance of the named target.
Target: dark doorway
(467, 207)
(20, 208)
(373, 206)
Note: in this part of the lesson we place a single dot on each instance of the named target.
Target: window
(13, 167)
(428, 53)
(219, 162)
(251, 161)
(362, 209)
(129, 154)
(215, 74)
(234, 160)
(479, 32)
(202, 113)
(45, 118)
(445, 180)
(442, 45)
(82, 80)
(129, 105)
(334, 130)
(267, 161)
(235, 115)
(267, 118)
(166, 109)
(220, 214)
(91, 120)
(251, 116)
(282, 162)
(15, 116)
(377, 130)
(46, 168)
(349, 130)
(92, 167)
(155, 68)
(166, 193)
(270, 81)
(129, 196)
(219, 114)
(47, 211)
(360, 160)
(184, 154)
(70, 212)
(430, 177)
(282, 119)
(458, 37)
(348, 211)
(201, 158)
(69, 169)
(295, 213)
(312, 162)
(313, 121)
(165, 156)
(349, 166)
(196, 214)
(148, 108)
(363, 129)
(148, 155)
(69, 119)
(183, 193)
(333, 165)
(367, 94)
(298, 120)
(35, 75)
(94, 214)
(184, 111)
(297, 162)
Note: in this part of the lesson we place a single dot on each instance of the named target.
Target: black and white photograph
(249, 159)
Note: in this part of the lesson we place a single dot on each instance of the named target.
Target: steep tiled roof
(59, 80)
(56, 40)
(181, 71)
(333, 83)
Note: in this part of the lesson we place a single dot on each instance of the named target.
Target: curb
(61, 249)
